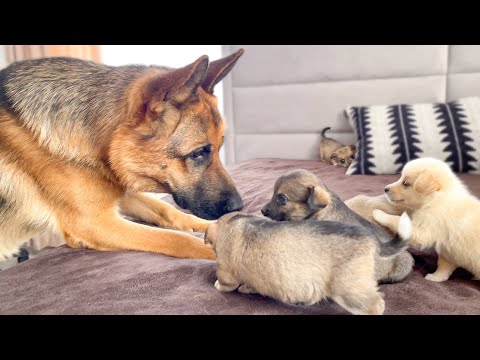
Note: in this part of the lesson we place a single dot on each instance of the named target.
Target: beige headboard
(279, 97)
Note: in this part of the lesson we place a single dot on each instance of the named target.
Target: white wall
(167, 55)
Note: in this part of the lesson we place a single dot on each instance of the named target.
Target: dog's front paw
(436, 277)
(202, 226)
(196, 224)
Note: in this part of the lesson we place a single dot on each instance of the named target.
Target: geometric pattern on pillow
(389, 136)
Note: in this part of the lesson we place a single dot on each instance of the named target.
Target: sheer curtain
(24, 52)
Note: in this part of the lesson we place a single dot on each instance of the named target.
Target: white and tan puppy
(301, 261)
(445, 215)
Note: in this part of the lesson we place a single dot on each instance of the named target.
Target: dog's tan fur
(292, 263)
(80, 142)
(335, 153)
(445, 215)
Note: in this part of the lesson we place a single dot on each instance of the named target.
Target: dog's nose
(387, 189)
(265, 211)
(234, 203)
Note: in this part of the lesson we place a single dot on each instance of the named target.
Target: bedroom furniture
(77, 281)
(277, 100)
(279, 97)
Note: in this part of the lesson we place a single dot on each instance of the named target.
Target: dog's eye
(200, 153)
(405, 184)
(352, 157)
(282, 199)
(197, 153)
(342, 161)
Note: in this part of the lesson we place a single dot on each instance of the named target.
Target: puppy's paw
(224, 288)
(380, 216)
(245, 289)
(218, 286)
(377, 307)
(436, 277)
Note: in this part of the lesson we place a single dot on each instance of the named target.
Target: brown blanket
(68, 281)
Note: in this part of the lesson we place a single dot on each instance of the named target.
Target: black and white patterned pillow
(388, 136)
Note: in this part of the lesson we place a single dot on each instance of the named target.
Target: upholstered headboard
(279, 97)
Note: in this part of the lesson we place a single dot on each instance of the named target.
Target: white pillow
(388, 136)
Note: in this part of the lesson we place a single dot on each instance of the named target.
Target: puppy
(335, 153)
(300, 262)
(298, 195)
(445, 216)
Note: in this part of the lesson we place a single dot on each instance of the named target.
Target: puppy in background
(335, 153)
(301, 262)
(298, 195)
(445, 215)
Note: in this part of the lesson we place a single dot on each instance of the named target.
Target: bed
(277, 100)
(75, 281)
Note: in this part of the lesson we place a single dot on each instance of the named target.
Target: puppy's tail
(324, 131)
(400, 241)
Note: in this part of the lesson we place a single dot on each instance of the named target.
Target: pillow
(388, 136)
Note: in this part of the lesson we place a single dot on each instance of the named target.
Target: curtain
(24, 52)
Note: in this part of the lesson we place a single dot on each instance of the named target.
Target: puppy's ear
(210, 237)
(334, 159)
(426, 184)
(353, 148)
(318, 198)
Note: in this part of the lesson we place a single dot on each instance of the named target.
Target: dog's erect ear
(177, 85)
(218, 69)
(318, 198)
(352, 147)
(426, 184)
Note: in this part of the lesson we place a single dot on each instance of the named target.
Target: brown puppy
(81, 142)
(445, 215)
(299, 195)
(335, 153)
(299, 261)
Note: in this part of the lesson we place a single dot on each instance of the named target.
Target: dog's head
(172, 135)
(296, 195)
(420, 181)
(343, 156)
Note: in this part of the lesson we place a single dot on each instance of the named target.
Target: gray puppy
(301, 262)
(299, 195)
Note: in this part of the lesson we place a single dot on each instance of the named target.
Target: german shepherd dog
(80, 142)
